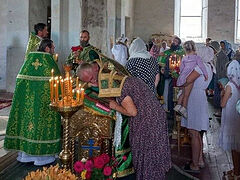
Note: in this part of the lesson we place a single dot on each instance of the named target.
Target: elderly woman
(197, 110)
(148, 134)
(142, 65)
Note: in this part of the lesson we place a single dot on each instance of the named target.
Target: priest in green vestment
(84, 52)
(36, 37)
(33, 128)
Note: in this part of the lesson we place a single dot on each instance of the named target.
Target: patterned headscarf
(138, 49)
(233, 73)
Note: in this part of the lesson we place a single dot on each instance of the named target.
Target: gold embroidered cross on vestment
(36, 64)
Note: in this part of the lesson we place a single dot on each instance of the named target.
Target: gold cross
(30, 126)
(36, 64)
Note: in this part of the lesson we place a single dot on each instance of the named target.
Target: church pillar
(118, 17)
(38, 12)
(65, 25)
(16, 34)
(94, 19)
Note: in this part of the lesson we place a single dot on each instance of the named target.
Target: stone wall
(16, 37)
(38, 12)
(158, 16)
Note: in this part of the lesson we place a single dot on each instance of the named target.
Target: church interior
(90, 116)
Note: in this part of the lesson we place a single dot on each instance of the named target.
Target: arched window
(190, 20)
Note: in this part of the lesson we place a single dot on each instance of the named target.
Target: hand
(113, 104)
(76, 54)
(79, 61)
(162, 70)
(222, 93)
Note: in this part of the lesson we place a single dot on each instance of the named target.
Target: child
(189, 62)
(229, 132)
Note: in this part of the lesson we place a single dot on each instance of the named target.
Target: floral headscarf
(233, 73)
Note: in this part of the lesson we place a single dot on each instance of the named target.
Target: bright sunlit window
(191, 20)
(237, 22)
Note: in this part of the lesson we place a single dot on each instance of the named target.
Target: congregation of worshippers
(162, 79)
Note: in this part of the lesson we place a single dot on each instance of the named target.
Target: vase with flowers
(98, 168)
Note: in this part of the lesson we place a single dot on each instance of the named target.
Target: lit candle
(82, 94)
(55, 87)
(77, 82)
(62, 91)
(52, 72)
(51, 90)
(55, 57)
(78, 95)
(56, 91)
(71, 95)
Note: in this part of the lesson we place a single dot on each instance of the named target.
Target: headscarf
(138, 49)
(233, 72)
(228, 46)
(207, 54)
(228, 49)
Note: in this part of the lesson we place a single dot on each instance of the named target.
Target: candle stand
(66, 104)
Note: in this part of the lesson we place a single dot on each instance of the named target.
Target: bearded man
(84, 52)
(165, 87)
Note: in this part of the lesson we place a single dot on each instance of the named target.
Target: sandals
(187, 168)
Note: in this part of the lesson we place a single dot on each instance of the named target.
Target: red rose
(107, 171)
(124, 158)
(98, 162)
(88, 175)
(76, 48)
(105, 157)
(89, 165)
(78, 166)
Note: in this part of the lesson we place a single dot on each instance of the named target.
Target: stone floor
(4, 113)
(216, 159)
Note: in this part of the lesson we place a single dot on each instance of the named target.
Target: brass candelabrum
(69, 102)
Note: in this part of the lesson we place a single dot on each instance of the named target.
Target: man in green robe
(33, 128)
(36, 37)
(84, 52)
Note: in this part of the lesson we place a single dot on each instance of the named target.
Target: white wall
(3, 44)
(153, 16)
(17, 37)
(157, 16)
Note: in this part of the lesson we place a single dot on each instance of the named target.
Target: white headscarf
(207, 55)
(233, 72)
(138, 49)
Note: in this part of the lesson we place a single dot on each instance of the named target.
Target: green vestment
(33, 44)
(89, 53)
(33, 127)
(162, 60)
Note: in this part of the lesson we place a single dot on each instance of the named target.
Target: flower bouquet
(51, 173)
(97, 168)
(76, 48)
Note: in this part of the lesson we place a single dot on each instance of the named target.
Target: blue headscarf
(228, 49)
